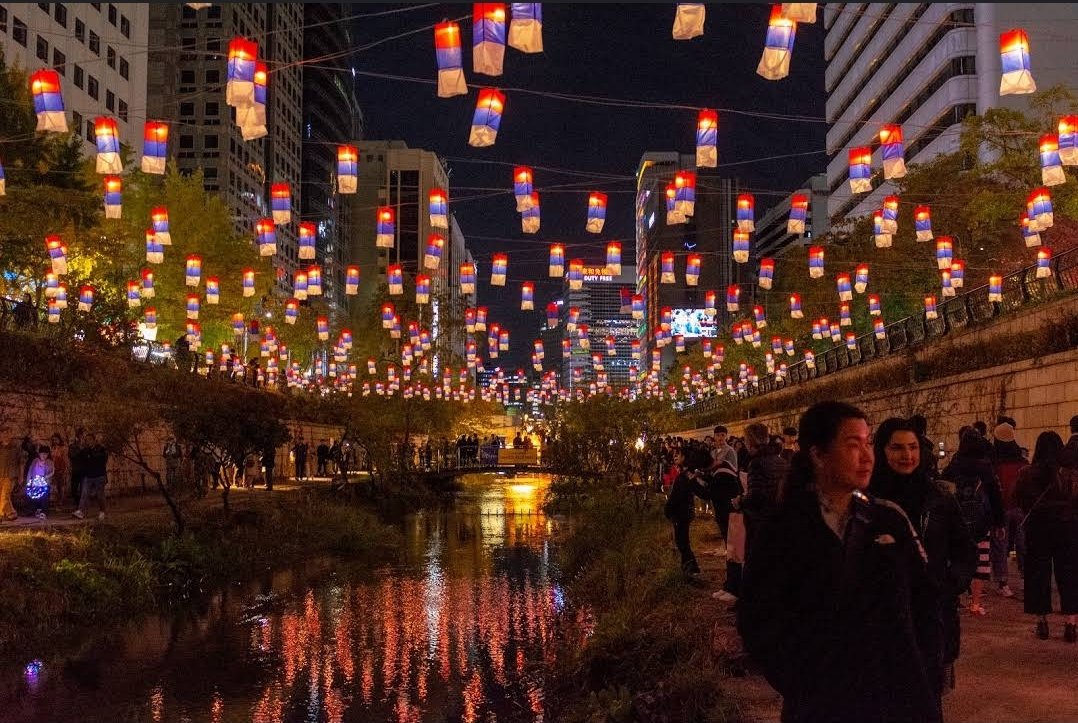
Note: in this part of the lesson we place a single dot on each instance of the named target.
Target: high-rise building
(98, 50)
(599, 304)
(925, 67)
(771, 237)
(331, 117)
(186, 86)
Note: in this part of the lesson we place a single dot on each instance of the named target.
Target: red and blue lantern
(388, 315)
(488, 38)
(314, 280)
(347, 169)
(155, 250)
(530, 218)
(922, 223)
(892, 151)
(1044, 262)
(882, 238)
(799, 205)
(845, 289)
(351, 280)
(766, 276)
(48, 101)
(281, 203)
(613, 258)
(861, 169)
(107, 137)
(193, 304)
(596, 212)
(438, 208)
(692, 269)
(147, 284)
(308, 241)
(1039, 207)
(526, 27)
(746, 213)
(995, 289)
(86, 298)
(133, 298)
(795, 307)
(159, 219)
(759, 316)
(527, 296)
(685, 193)
(193, 274)
(300, 285)
(240, 84)
(556, 265)
(57, 254)
(710, 304)
(816, 262)
(385, 227)
(481, 318)
(741, 246)
(890, 214)
(322, 325)
(930, 308)
(551, 315)
(154, 147)
(873, 304)
(733, 296)
(879, 329)
(1017, 78)
(266, 236)
(707, 139)
(447, 52)
(778, 46)
(958, 273)
(213, 290)
(433, 256)
(249, 282)
(498, 268)
(114, 186)
(1051, 164)
(944, 252)
(523, 186)
(467, 277)
(149, 318)
(844, 318)
(576, 274)
(638, 305)
(422, 289)
(487, 118)
(1068, 140)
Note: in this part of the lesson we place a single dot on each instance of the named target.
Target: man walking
(269, 461)
(322, 453)
(96, 470)
(299, 453)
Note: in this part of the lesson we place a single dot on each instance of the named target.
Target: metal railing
(1019, 289)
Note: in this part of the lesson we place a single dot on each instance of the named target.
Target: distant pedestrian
(269, 461)
(681, 503)
(76, 453)
(299, 456)
(1008, 462)
(322, 454)
(173, 456)
(96, 470)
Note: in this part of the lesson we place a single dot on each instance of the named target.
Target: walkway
(1004, 672)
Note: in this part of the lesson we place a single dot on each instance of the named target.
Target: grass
(648, 657)
(53, 582)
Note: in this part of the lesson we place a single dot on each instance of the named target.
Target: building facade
(99, 50)
(771, 237)
(599, 304)
(926, 67)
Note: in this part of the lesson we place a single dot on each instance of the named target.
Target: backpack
(973, 501)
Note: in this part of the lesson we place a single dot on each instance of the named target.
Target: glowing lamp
(447, 52)
(57, 254)
(810, 359)
(469, 320)
(527, 296)
(816, 259)
(860, 282)
(308, 240)
(481, 318)
(638, 306)
(799, 204)
(666, 318)
(1068, 140)
(625, 299)
(1039, 207)
(890, 214)
(1044, 262)
(733, 294)
(240, 83)
(692, 269)
(767, 273)
(107, 137)
(596, 212)
(795, 307)
(689, 21)
(526, 27)
(194, 270)
(879, 329)
(576, 274)
(851, 341)
(995, 289)
(1017, 77)
(433, 255)
(249, 282)
(613, 258)
(759, 316)
(159, 219)
(922, 223)
(845, 289)
(48, 101)
(685, 193)
(551, 315)
(503, 340)
(147, 284)
(322, 325)
(800, 12)
(945, 283)
(709, 304)
(488, 38)
(557, 260)
(300, 285)
(192, 306)
(498, 267)
(531, 217)
(154, 147)
(673, 216)
(351, 280)
(566, 348)
(149, 318)
(818, 329)
(707, 138)
(53, 311)
(86, 298)
(388, 314)
(523, 186)
(666, 263)
(741, 246)
(133, 299)
(958, 273)
(1051, 163)
(281, 203)
(861, 169)
(944, 252)
(737, 333)
(746, 213)
(487, 118)
(778, 46)
(155, 251)
(239, 326)
(467, 277)
(385, 227)
(892, 151)
(881, 237)
(844, 318)
(266, 236)
(930, 308)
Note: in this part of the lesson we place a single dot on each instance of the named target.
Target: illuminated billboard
(692, 324)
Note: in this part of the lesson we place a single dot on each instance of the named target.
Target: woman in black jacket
(681, 502)
(900, 476)
(837, 605)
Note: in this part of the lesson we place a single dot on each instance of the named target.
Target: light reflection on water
(460, 630)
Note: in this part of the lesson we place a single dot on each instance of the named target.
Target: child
(39, 480)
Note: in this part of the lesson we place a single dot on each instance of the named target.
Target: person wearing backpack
(978, 495)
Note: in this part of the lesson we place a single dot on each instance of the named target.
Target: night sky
(619, 51)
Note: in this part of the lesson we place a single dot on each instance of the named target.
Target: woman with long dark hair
(837, 605)
(901, 477)
(1046, 495)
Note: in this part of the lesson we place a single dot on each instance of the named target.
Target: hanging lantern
(707, 138)
(467, 277)
(86, 298)
(249, 282)
(1017, 78)
(1044, 262)
(890, 214)
(385, 228)
(741, 246)
(213, 290)
(930, 307)
(611, 346)
(447, 52)
(57, 254)
(194, 270)
(107, 135)
(1051, 164)
(795, 307)
(666, 318)
(835, 330)
(551, 315)
(944, 252)
(705, 348)
(799, 204)
(892, 151)
(351, 280)
(48, 101)
(710, 304)
(395, 328)
(537, 349)
(308, 240)
(673, 216)
(133, 299)
(873, 305)
(388, 314)
(3, 181)
(1041, 203)
(433, 256)
(155, 251)
(487, 118)
(851, 341)
(800, 12)
(149, 318)
(1068, 140)
(692, 269)
(472, 351)
(322, 324)
(469, 320)
(945, 283)
(527, 296)
(576, 274)
(733, 294)
(53, 311)
(251, 116)
(778, 46)
(299, 285)
(240, 86)
(845, 290)
(481, 318)
(625, 298)
(314, 280)
(523, 187)
(746, 213)
(557, 260)
(737, 333)
(159, 219)
(638, 306)
(689, 21)
(844, 318)
(958, 273)
(347, 169)
(438, 205)
(759, 316)
(767, 273)
(596, 212)
(530, 217)
(613, 258)
(922, 222)
(281, 203)
(679, 343)
(685, 193)
(634, 348)
(154, 147)
(995, 289)
(488, 38)
(266, 236)
(192, 306)
(882, 238)
(819, 329)
(566, 348)
(816, 258)
(503, 340)
(498, 268)
(788, 347)
(147, 284)
(526, 27)
(860, 169)
(666, 263)
(860, 282)
(879, 329)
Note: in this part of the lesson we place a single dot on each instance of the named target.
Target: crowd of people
(36, 474)
(851, 553)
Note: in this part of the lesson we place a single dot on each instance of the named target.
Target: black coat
(844, 630)
(766, 472)
(681, 503)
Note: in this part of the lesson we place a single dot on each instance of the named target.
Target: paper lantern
(666, 318)
(447, 52)
(844, 318)
(930, 307)
(881, 237)
(816, 262)
(192, 306)
(689, 21)
(576, 274)
(314, 280)
(149, 318)
(503, 340)
(634, 348)
(733, 294)
(487, 118)
(1068, 140)
(673, 216)
(527, 296)
(879, 329)
(433, 255)
(155, 251)
(239, 87)
(613, 258)
(147, 284)
(679, 343)
(707, 138)
(958, 273)
(308, 241)
(845, 289)
(351, 280)
(873, 304)
(388, 314)
(322, 324)
(57, 254)
(1051, 163)
(944, 252)
(945, 283)
(995, 289)
(799, 204)
(438, 208)
(530, 217)
(213, 290)
(710, 304)
(625, 298)
(86, 298)
(471, 352)
(133, 299)
(819, 329)
(551, 315)
(1040, 208)
(860, 281)
(498, 268)
(1044, 262)
(467, 277)
(526, 27)
(1017, 78)
(800, 12)
(488, 38)
(778, 46)
(395, 328)
(299, 285)
(266, 236)
(159, 219)
(523, 187)
(48, 101)
(249, 282)
(890, 214)
(154, 147)
(385, 228)
(834, 330)
(566, 348)
(759, 316)
(860, 169)
(692, 269)
(611, 346)
(741, 246)
(767, 273)
(746, 213)
(666, 263)
(3, 181)
(922, 223)
(193, 274)
(251, 117)
(537, 349)
(557, 260)
(596, 212)
(53, 311)
(481, 318)
(795, 307)
(107, 136)
(851, 341)
(281, 203)
(685, 193)
(737, 333)
(638, 306)
(892, 151)
(469, 320)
